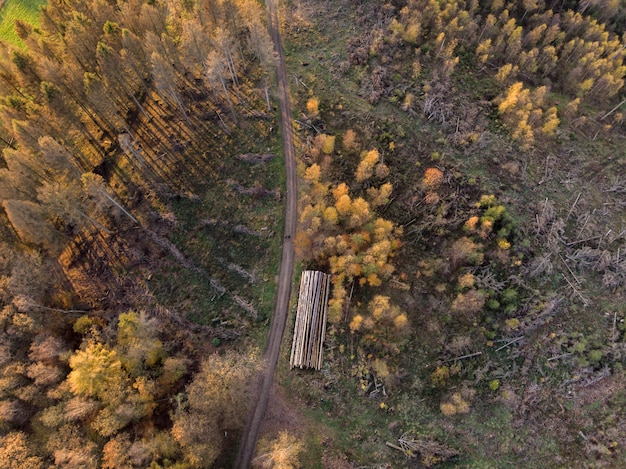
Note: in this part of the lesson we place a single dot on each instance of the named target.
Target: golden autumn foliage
(383, 327)
(433, 177)
(329, 145)
(312, 173)
(331, 215)
(339, 228)
(312, 106)
(365, 169)
(343, 205)
(455, 405)
(579, 51)
(118, 383)
(526, 113)
(96, 371)
(380, 196)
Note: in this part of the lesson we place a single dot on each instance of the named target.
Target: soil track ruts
(285, 275)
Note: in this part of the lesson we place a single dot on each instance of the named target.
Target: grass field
(10, 10)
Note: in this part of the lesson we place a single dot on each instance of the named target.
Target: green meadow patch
(11, 10)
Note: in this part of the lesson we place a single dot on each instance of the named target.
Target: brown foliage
(219, 397)
(16, 453)
(115, 454)
(464, 251)
(468, 305)
(349, 141)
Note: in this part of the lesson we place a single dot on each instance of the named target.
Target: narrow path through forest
(251, 431)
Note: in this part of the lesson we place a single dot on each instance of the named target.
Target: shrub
(469, 304)
(433, 177)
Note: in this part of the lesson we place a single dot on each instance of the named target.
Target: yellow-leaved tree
(383, 328)
(526, 113)
(116, 384)
(340, 230)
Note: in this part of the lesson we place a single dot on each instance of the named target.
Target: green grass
(206, 232)
(25, 10)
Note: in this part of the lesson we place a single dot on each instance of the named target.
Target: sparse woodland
(462, 180)
(499, 132)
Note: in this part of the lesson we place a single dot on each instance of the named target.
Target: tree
(218, 399)
(29, 221)
(280, 453)
(165, 82)
(96, 372)
(365, 169)
(526, 113)
(16, 452)
(344, 233)
(215, 69)
(349, 141)
(99, 197)
(116, 453)
(261, 44)
(71, 450)
(138, 343)
(383, 328)
(195, 46)
(120, 378)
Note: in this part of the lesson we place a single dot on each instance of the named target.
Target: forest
(462, 178)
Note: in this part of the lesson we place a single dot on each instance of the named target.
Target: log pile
(310, 326)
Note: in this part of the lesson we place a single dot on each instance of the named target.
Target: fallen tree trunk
(255, 157)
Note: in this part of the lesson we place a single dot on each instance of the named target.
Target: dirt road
(251, 431)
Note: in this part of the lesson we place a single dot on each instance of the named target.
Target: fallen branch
(429, 449)
(583, 299)
(572, 207)
(391, 445)
(558, 357)
(570, 270)
(517, 339)
(471, 355)
(612, 110)
(246, 305)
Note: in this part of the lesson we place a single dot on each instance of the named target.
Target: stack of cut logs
(309, 330)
